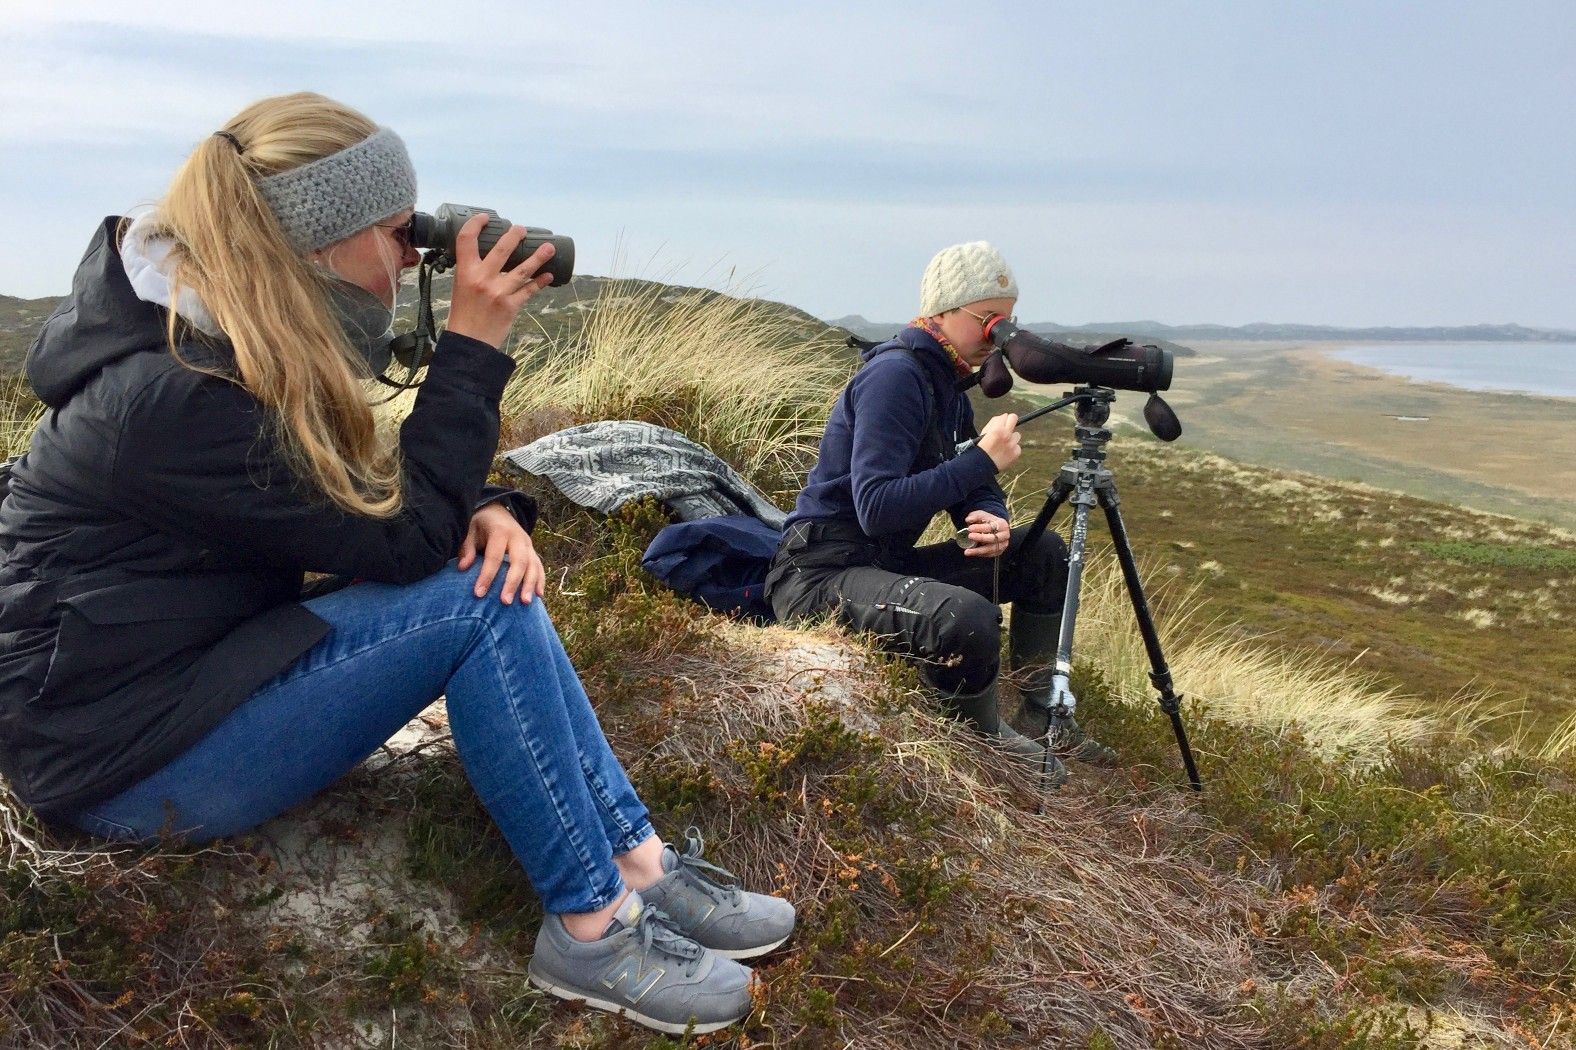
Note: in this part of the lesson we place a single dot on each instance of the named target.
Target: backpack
(720, 562)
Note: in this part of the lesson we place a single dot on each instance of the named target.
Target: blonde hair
(273, 304)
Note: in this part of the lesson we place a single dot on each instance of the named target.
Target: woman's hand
(487, 297)
(1000, 440)
(990, 534)
(496, 534)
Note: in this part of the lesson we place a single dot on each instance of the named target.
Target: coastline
(1329, 350)
(1294, 405)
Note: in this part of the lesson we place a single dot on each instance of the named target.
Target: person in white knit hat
(887, 465)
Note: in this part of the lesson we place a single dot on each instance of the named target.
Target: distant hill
(19, 323)
(554, 312)
(558, 313)
(1088, 335)
(1477, 333)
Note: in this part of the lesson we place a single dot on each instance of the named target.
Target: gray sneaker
(706, 904)
(643, 969)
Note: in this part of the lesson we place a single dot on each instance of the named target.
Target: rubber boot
(980, 710)
(1031, 653)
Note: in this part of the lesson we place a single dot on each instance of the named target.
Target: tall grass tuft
(1342, 712)
(1561, 744)
(747, 379)
(20, 412)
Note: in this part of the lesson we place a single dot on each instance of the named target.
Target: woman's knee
(968, 627)
(454, 589)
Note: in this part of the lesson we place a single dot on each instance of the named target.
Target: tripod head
(1094, 405)
(1094, 409)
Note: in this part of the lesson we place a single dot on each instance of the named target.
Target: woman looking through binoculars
(209, 442)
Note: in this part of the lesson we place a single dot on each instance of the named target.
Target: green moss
(405, 963)
(1302, 1025)
(1503, 555)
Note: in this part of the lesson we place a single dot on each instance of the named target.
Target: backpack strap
(935, 447)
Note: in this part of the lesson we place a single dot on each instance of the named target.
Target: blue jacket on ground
(719, 561)
(880, 466)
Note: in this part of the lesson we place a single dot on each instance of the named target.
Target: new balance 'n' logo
(628, 975)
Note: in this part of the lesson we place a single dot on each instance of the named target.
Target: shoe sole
(751, 953)
(574, 995)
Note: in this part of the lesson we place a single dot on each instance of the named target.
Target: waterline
(1543, 369)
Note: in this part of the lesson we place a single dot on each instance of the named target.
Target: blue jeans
(523, 727)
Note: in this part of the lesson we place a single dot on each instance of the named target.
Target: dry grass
(1341, 711)
(102, 901)
(736, 375)
(19, 415)
(1076, 905)
(1562, 742)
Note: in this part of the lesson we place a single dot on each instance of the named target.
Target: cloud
(1191, 162)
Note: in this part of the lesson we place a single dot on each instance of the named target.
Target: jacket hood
(145, 253)
(101, 321)
(118, 303)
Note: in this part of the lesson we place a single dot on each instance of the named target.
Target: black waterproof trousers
(931, 602)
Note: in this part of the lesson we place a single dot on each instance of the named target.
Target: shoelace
(656, 930)
(725, 884)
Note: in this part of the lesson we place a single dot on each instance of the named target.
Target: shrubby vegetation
(1361, 870)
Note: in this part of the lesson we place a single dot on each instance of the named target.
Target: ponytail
(273, 304)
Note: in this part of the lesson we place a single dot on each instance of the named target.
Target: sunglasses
(402, 232)
(1013, 319)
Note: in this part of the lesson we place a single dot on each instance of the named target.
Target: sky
(1376, 163)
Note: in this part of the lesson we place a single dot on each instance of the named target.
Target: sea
(1548, 369)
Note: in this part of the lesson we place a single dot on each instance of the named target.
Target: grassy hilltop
(1371, 863)
(19, 323)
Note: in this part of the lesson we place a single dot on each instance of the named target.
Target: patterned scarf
(931, 327)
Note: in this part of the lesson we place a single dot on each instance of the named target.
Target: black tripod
(1085, 480)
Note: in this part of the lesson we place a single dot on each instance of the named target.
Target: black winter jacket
(153, 544)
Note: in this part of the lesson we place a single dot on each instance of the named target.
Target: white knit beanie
(963, 274)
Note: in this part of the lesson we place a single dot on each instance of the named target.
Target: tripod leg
(1059, 491)
(1060, 703)
(1159, 673)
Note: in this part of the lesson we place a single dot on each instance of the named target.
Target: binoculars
(437, 233)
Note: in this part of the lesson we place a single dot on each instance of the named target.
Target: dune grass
(737, 375)
(1234, 677)
(1561, 743)
(20, 412)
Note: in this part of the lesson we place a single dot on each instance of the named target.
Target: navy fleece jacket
(869, 470)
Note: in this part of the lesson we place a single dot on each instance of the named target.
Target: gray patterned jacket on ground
(606, 464)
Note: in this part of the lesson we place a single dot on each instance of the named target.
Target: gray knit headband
(329, 199)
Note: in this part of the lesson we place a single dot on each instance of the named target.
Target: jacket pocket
(118, 645)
